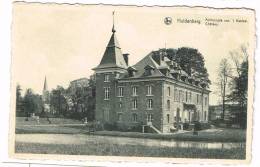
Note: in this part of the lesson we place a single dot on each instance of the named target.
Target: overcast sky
(64, 42)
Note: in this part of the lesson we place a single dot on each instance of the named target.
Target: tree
(190, 60)
(239, 84)
(19, 100)
(58, 101)
(82, 100)
(91, 99)
(224, 71)
(32, 102)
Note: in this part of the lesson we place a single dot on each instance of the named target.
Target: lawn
(43, 121)
(92, 148)
(70, 126)
(51, 129)
(220, 135)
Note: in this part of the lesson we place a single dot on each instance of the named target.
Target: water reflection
(85, 139)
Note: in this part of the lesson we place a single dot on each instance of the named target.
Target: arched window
(168, 104)
(168, 118)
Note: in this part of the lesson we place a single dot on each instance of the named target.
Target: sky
(64, 42)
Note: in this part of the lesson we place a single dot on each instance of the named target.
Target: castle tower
(112, 65)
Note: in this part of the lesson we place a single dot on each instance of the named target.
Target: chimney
(126, 58)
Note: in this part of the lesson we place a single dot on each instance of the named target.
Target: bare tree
(224, 71)
(238, 85)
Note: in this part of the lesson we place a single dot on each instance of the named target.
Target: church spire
(45, 86)
(113, 28)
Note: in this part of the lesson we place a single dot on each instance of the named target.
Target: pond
(78, 139)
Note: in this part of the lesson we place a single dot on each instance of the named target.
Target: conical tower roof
(113, 57)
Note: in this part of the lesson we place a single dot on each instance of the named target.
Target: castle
(154, 92)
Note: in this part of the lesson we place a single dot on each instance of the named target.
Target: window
(149, 117)
(205, 115)
(149, 104)
(134, 117)
(168, 104)
(197, 99)
(180, 95)
(186, 97)
(149, 90)
(190, 97)
(120, 91)
(106, 78)
(134, 91)
(106, 114)
(206, 101)
(134, 104)
(175, 95)
(107, 93)
(119, 117)
(169, 91)
(168, 118)
(198, 115)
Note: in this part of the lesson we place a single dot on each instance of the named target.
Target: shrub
(136, 128)
(110, 127)
(77, 115)
(197, 126)
(205, 126)
(185, 126)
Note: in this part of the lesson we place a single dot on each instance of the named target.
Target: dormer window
(148, 70)
(165, 71)
(131, 71)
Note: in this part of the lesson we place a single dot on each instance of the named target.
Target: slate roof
(140, 68)
(113, 57)
(158, 66)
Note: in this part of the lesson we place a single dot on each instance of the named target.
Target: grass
(51, 129)
(99, 149)
(43, 121)
(222, 135)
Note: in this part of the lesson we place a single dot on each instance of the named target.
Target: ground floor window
(168, 118)
(106, 114)
(205, 115)
(134, 117)
(149, 117)
(119, 117)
